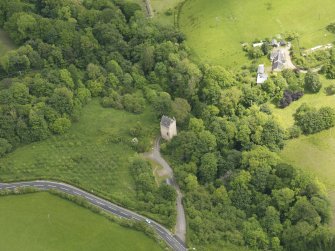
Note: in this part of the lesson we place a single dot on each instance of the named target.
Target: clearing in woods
(94, 154)
(312, 153)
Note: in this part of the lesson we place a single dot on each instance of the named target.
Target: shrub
(5, 147)
(311, 120)
(312, 82)
(289, 97)
(61, 125)
(137, 130)
(330, 90)
(331, 27)
(114, 100)
(294, 132)
(133, 103)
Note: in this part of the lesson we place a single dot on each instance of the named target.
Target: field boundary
(177, 16)
(130, 224)
(148, 8)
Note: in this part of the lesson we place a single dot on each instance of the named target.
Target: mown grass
(44, 222)
(320, 99)
(313, 153)
(5, 43)
(160, 8)
(87, 155)
(215, 29)
(165, 10)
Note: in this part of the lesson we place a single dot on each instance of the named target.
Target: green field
(215, 29)
(285, 116)
(313, 153)
(86, 155)
(160, 8)
(5, 43)
(44, 222)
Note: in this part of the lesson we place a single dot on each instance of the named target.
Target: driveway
(155, 155)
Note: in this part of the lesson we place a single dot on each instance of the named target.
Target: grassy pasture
(215, 29)
(5, 43)
(86, 155)
(44, 222)
(313, 153)
(285, 116)
(160, 7)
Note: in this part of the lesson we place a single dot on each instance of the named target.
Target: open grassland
(44, 222)
(215, 29)
(285, 116)
(313, 153)
(87, 155)
(165, 10)
(5, 43)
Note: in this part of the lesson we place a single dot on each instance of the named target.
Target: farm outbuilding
(261, 75)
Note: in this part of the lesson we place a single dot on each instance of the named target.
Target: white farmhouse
(168, 127)
(278, 60)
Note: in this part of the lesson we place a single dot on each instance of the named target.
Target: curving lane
(173, 241)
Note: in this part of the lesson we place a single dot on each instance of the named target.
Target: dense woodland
(236, 187)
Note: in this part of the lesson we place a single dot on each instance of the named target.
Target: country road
(166, 235)
(167, 171)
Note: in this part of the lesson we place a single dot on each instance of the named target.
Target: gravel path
(180, 229)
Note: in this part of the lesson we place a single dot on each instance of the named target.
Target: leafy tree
(191, 182)
(311, 120)
(303, 210)
(5, 147)
(208, 168)
(163, 104)
(61, 125)
(330, 90)
(167, 192)
(181, 109)
(220, 196)
(271, 222)
(254, 235)
(312, 82)
(283, 198)
(62, 100)
(133, 103)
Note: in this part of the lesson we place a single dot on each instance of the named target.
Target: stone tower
(168, 127)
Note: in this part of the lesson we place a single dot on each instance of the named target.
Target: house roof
(260, 69)
(261, 78)
(277, 65)
(166, 121)
(278, 59)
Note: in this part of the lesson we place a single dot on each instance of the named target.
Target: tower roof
(166, 121)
